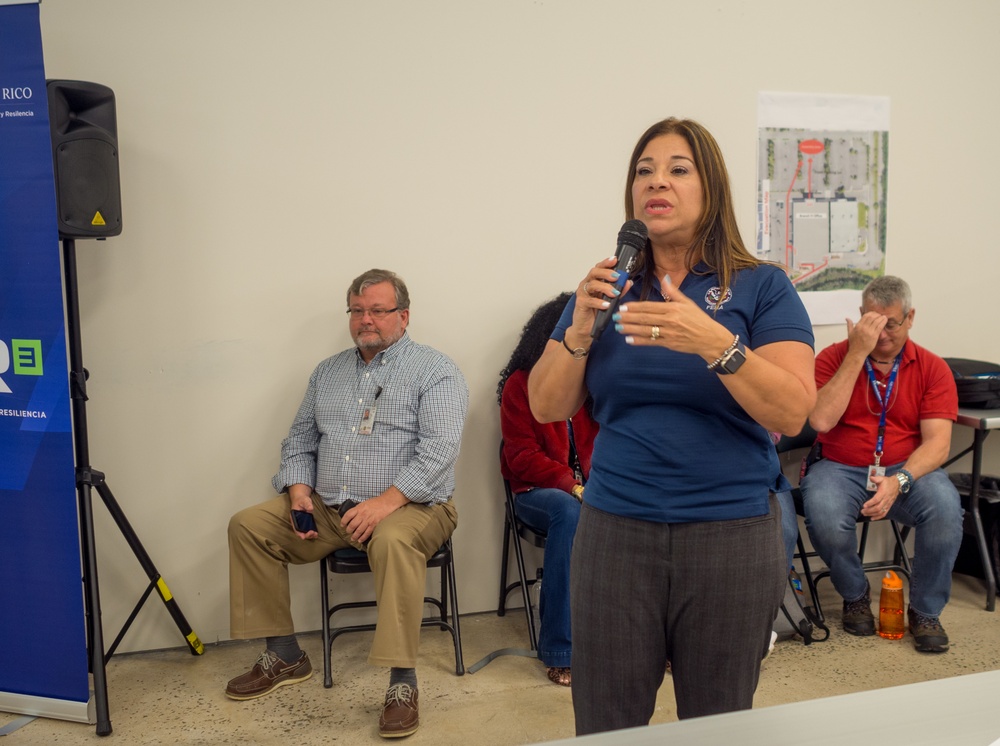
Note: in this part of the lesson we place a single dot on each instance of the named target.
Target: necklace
(880, 362)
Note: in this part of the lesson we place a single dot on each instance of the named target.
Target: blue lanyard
(884, 403)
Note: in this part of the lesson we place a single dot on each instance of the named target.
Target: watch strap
(578, 353)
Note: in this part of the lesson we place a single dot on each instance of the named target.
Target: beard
(373, 340)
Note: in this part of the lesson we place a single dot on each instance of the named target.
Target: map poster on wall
(822, 172)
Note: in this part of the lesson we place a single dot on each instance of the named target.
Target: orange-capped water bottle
(890, 608)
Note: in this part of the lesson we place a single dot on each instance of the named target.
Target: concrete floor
(172, 697)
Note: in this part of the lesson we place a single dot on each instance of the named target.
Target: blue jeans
(556, 513)
(833, 495)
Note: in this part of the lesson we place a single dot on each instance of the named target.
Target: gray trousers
(701, 595)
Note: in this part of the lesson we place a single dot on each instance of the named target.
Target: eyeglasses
(891, 325)
(375, 313)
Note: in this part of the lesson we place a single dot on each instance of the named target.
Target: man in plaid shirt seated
(380, 426)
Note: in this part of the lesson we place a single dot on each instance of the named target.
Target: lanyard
(884, 403)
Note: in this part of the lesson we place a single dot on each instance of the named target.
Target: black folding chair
(514, 531)
(349, 561)
(900, 561)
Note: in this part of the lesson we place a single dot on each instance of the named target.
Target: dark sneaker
(858, 618)
(399, 713)
(267, 674)
(928, 634)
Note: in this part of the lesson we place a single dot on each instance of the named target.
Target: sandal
(560, 676)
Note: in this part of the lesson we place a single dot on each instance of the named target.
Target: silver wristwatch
(731, 359)
(904, 482)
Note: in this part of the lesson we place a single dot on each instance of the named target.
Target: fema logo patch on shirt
(714, 299)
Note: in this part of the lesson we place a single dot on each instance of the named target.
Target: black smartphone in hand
(304, 521)
(343, 508)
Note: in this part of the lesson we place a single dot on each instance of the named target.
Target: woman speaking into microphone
(678, 554)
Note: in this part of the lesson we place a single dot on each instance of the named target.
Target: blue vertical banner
(45, 662)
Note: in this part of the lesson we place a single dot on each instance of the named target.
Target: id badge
(368, 422)
(874, 471)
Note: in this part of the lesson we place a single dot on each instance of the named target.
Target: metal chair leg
(324, 594)
(508, 529)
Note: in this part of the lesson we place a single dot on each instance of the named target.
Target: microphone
(631, 242)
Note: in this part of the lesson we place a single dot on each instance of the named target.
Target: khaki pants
(262, 544)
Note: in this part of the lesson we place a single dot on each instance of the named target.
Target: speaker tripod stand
(88, 480)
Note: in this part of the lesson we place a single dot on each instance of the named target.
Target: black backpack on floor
(978, 382)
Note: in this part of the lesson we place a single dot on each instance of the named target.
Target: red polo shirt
(924, 390)
(537, 454)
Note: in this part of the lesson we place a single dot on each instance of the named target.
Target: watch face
(735, 360)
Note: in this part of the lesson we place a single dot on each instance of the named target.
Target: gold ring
(585, 288)
(654, 333)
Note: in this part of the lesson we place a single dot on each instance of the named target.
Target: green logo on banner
(26, 359)
(27, 356)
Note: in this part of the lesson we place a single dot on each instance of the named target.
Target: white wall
(270, 152)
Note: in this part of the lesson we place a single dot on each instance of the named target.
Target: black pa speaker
(85, 159)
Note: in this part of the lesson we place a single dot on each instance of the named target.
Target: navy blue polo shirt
(674, 446)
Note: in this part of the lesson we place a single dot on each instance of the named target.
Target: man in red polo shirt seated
(884, 411)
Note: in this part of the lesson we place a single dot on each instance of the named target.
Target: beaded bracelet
(728, 351)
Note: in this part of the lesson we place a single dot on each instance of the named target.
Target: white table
(960, 711)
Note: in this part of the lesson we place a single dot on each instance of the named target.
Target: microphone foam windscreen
(634, 234)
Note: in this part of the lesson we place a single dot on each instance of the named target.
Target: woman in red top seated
(547, 467)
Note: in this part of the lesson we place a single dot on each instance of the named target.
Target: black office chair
(515, 529)
(349, 561)
(900, 561)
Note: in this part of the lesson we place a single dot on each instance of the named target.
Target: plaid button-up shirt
(416, 400)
